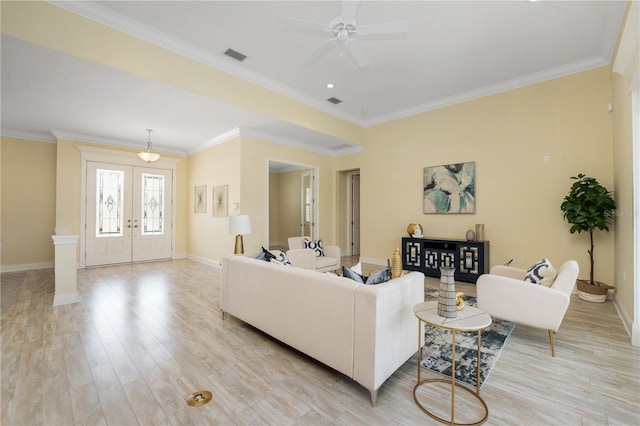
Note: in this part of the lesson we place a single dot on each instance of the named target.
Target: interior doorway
(293, 203)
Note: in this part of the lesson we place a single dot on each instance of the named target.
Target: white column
(66, 279)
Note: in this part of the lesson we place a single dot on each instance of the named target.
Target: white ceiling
(453, 51)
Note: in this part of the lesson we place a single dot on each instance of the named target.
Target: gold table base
(453, 382)
(440, 419)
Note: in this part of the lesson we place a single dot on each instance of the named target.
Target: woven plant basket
(593, 287)
(592, 291)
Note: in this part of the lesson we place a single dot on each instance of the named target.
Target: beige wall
(208, 236)
(254, 187)
(28, 192)
(518, 194)
(623, 192)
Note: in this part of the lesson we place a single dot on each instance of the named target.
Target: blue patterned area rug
(436, 352)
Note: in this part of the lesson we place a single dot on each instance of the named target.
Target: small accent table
(468, 319)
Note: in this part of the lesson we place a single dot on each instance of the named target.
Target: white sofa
(504, 294)
(307, 259)
(363, 331)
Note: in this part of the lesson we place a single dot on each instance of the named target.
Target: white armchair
(504, 294)
(307, 259)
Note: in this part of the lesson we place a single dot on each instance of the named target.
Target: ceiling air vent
(334, 100)
(235, 55)
(341, 146)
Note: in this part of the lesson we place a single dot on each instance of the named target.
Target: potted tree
(587, 207)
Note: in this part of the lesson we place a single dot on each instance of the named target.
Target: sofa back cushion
(567, 276)
(309, 311)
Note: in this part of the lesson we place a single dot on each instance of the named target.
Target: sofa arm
(522, 302)
(302, 258)
(385, 328)
(332, 251)
(508, 271)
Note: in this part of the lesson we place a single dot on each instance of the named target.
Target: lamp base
(239, 249)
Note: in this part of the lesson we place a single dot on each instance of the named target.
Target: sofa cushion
(315, 245)
(281, 259)
(265, 255)
(541, 273)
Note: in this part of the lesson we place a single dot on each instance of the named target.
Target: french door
(128, 214)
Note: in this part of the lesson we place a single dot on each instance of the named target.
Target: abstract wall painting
(200, 199)
(220, 201)
(450, 188)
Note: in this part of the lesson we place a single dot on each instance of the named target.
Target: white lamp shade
(148, 156)
(239, 225)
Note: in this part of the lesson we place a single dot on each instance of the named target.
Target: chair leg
(553, 352)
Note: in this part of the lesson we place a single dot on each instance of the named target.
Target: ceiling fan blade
(358, 55)
(395, 27)
(349, 9)
(320, 52)
(302, 26)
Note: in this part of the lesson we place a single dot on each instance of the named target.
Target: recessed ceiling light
(330, 86)
(364, 112)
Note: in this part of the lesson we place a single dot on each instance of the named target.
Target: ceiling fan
(344, 32)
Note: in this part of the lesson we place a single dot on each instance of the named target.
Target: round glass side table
(469, 319)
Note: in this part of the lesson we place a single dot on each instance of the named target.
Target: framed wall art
(220, 201)
(450, 188)
(200, 199)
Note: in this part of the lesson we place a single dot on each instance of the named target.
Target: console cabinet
(427, 255)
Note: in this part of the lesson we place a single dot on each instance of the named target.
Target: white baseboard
(180, 256)
(26, 267)
(631, 328)
(66, 298)
(204, 261)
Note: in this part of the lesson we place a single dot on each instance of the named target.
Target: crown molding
(80, 137)
(280, 140)
(32, 136)
(516, 83)
(231, 134)
(104, 16)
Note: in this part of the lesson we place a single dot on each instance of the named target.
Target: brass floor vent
(199, 398)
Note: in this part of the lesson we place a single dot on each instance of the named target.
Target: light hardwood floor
(146, 336)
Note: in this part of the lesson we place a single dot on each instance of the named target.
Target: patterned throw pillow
(350, 273)
(282, 259)
(265, 255)
(541, 273)
(379, 277)
(315, 245)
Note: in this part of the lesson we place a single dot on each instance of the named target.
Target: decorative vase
(471, 236)
(447, 293)
(415, 230)
(396, 264)
(480, 232)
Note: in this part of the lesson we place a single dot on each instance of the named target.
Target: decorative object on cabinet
(396, 263)
(480, 232)
(415, 230)
(428, 255)
(220, 201)
(450, 188)
(200, 199)
(470, 235)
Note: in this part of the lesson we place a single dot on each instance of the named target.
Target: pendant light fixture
(148, 155)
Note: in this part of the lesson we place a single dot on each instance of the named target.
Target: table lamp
(239, 225)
